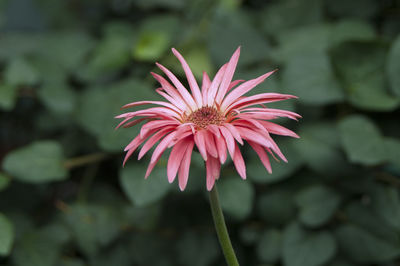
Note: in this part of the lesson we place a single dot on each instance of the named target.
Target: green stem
(85, 159)
(220, 227)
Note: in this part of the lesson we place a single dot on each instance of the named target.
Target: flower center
(206, 116)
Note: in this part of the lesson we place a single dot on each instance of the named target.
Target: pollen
(206, 116)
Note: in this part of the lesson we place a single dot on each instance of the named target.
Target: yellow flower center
(206, 116)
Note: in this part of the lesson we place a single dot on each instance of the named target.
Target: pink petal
(212, 171)
(214, 129)
(155, 124)
(178, 103)
(239, 162)
(210, 144)
(128, 154)
(180, 136)
(182, 90)
(262, 155)
(204, 87)
(135, 122)
(230, 142)
(168, 105)
(258, 99)
(175, 159)
(183, 174)
(228, 75)
(234, 83)
(221, 148)
(278, 130)
(177, 98)
(189, 75)
(235, 133)
(162, 146)
(199, 139)
(243, 88)
(212, 90)
(152, 140)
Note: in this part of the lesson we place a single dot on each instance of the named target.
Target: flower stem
(220, 227)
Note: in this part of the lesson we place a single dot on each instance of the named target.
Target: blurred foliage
(66, 67)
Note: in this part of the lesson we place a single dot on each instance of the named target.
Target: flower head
(214, 119)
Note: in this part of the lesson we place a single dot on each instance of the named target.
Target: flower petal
(213, 168)
(239, 162)
(243, 88)
(175, 159)
(235, 133)
(199, 139)
(183, 174)
(190, 78)
(162, 146)
(230, 142)
(210, 144)
(212, 91)
(228, 75)
(152, 140)
(204, 87)
(278, 130)
(182, 90)
(221, 148)
(257, 99)
(262, 154)
(176, 98)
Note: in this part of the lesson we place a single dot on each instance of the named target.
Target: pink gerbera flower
(214, 119)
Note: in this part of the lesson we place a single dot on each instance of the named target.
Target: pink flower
(214, 119)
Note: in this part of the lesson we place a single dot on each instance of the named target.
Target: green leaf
(58, 97)
(20, 72)
(343, 8)
(304, 248)
(319, 147)
(191, 243)
(319, 38)
(111, 54)
(6, 235)
(170, 4)
(310, 77)
(61, 48)
(39, 162)
(361, 68)
(4, 181)
(371, 221)
(363, 247)
(283, 15)
(393, 66)
(155, 37)
(36, 249)
(236, 197)
(277, 206)
(307, 40)
(269, 248)
(280, 170)
(144, 191)
(92, 225)
(317, 204)
(100, 121)
(362, 140)
(392, 146)
(8, 96)
(229, 31)
(351, 30)
(386, 203)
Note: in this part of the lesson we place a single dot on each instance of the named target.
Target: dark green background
(67, 66)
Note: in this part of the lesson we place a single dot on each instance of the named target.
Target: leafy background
(67, 66)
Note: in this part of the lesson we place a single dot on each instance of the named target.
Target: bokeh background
(67, 66)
